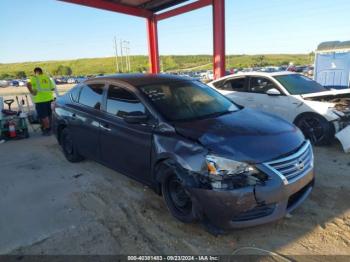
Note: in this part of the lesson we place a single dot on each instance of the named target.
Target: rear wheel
(68, 148)
(316, 128)
(177, 199)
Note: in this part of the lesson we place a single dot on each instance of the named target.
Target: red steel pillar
(219, 38)
(153, 45)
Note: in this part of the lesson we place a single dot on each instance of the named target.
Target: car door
(84, 124)
(125, 147)
(275, 104)
(236, 89)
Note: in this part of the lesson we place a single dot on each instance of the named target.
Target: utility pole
(127, 52)
(129, 57)
(116, 53)
(124, 47)
(121, 54)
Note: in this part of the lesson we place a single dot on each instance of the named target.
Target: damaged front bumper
(259, 204)
(344, 137)
(342, 127)
(240, 207)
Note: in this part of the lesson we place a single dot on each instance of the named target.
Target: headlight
(222, 166)
(226, 173)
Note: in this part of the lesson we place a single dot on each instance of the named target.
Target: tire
(176, 198)
(68, 148)
(316, 128)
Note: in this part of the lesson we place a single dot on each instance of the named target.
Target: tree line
(61, 70)
(140, 63)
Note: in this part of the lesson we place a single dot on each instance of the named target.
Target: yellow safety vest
(44, 87)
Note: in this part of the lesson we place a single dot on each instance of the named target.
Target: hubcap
(312, 129)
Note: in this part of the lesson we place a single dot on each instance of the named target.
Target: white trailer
(332, 64)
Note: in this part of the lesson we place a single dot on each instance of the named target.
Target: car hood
(246, 135)
(325, 102)
(332, 92)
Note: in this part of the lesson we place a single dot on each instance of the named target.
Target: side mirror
(273, 92)
(136, 118)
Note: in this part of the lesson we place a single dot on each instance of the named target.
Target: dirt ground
(50, 206)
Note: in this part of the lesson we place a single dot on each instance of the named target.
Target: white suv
(317, 111)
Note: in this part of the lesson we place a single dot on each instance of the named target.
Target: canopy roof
(150, 5)
(143, 8)
(333, 45)
(151, 10)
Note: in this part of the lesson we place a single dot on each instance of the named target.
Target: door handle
(105, 127)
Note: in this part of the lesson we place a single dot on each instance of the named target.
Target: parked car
(76, 80)
(4, 83)
(14, 83)
(22, 82)
(80, 79)
(271, 69)
(60, 81)
(319, 112)
(211, 160)
(301, 69)
(72, 81)
(210, 75)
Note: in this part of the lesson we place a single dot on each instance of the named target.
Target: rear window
(91, 95)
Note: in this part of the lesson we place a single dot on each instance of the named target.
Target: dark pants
(43, 109)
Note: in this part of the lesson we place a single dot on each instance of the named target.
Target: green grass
(91, 66)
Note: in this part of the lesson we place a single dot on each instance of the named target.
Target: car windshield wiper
(217, 114)
(213, 115)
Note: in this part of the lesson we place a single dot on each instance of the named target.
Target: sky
(40, 30)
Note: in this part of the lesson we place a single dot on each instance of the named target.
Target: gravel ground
(50, 206)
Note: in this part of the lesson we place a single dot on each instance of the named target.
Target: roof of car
(143, 79)
(256, 73)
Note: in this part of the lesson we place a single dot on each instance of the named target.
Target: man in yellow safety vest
(42, 89)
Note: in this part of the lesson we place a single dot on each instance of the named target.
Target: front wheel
(177, 199)
(68, 148)
(316, 128)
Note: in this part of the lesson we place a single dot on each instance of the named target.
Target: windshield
(189, 100)
(298, 84)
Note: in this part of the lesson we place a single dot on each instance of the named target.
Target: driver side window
(121, 102)
(261, 85)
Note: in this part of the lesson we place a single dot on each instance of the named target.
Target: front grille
(255, 213)
(292, 166)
